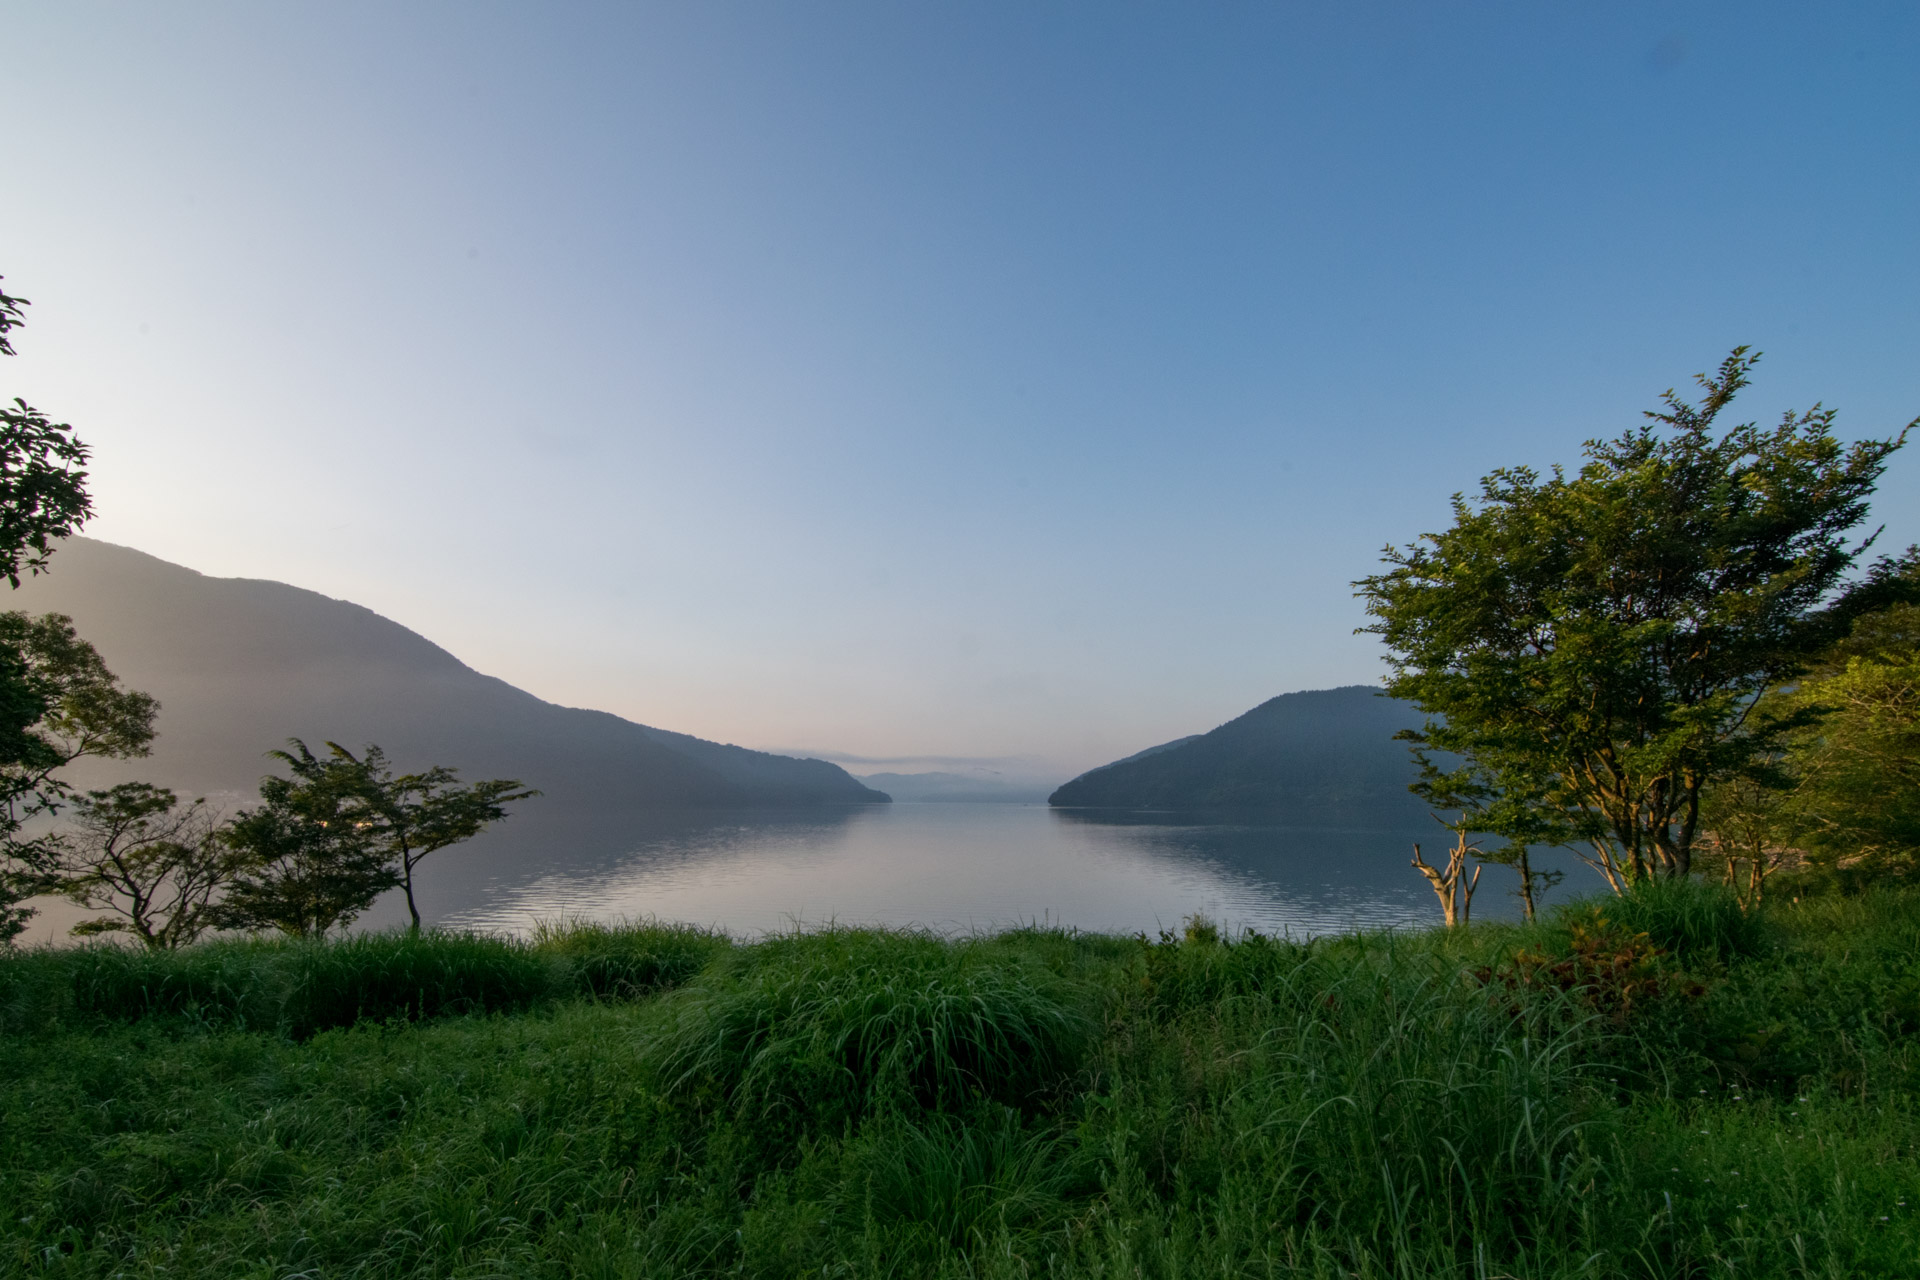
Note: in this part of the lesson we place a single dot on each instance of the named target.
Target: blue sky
(1014, 382)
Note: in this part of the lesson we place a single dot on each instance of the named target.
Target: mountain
(240, 665)
(957, 788)
(1325, 757)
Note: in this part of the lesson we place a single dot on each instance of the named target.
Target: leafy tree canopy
(137, 853)
(58, 702)
(1588, 648)
(43, 478)
(308, 864)
(52, 697)
(411, 815)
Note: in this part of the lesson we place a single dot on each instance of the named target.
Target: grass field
(1653, 1087)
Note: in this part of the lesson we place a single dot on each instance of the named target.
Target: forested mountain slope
(1321, 756)
(240, 665)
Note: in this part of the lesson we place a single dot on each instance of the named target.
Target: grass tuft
(830, 1026)
(1693, 919)
(631, 961)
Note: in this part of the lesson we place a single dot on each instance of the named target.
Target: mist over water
(955, 868)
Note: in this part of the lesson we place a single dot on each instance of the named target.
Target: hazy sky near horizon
(925, 382)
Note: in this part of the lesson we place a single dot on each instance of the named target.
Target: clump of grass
(300, 988)
(953, 1181)
(829, 1026)
(236, 983)
(379, 977)
(1372, 1102)
(1693, 919)
(632, 961)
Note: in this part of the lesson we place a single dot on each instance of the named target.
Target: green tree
(1855, 804)
(308, 862)
(1589, 648)
(43, 481)
(412, 815)
(1829, 798)
(43, 498)
(58, 702)
(158, 866)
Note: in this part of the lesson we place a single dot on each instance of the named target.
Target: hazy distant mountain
(1322, 757)
(241, 665)
(955, 788)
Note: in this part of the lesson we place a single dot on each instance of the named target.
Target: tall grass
(627, 962)
(302, 988)
(833, 1025)
(659, 1102)
(1691, 918)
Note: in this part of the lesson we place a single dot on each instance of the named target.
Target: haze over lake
(952, 867)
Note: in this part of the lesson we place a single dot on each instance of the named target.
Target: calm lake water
(952, 867)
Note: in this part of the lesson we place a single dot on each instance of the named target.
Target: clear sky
(1018, 382)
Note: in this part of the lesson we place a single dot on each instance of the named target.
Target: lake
(954, 868)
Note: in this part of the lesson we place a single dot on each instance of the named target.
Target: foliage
(58, 702)
(1838, 808)
(1692, 919)
(1607, 969)
(1356, 1106)
(303, 987)
(630, 961)
(308, 864)
(57, 699)
(43, 478)
(10, 319)
(1589, 647)
(1855, 808)
(857, 1023)
(410, 816)
(1245, 1106)
(136, 851)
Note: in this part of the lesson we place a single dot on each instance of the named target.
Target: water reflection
(952, 867)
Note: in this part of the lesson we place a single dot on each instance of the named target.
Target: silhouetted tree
(308, 862)
(412, 815)
(58, 702)
(134, 850)
(43, 498)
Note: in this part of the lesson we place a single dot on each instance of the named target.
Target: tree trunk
(406, 865)
(1524, 866)
(1451, 885)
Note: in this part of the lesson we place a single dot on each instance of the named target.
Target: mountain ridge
(242, 664)
(1328, 756)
